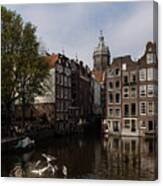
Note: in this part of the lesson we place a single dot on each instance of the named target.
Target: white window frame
(128, 126)
(142, 124)
(133, 93)
(119, 98)
(118, 72)
(150, 74)
(127, 93)
(155, 74)
(152, 88)
(110, 88)
(110, 115)
(142, 88)
(142, 74)
(152, 110)
(109, 102)
(150, 58)
(124, 66)
(119, 84)
(131, 76)
(119, 114)
(140, 107)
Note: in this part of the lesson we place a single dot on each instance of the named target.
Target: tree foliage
(24, 71)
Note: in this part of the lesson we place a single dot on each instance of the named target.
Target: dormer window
(150, 49)
(150, 58)
(124, 66)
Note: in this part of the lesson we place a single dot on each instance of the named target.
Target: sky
(75, 27)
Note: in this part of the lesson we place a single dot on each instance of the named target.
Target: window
(125, 79)
(133, 109)
(133, 77)
(125, 92)
(117, 112)
(142, 108)
(69, 93)
(57, 116)
(117, 84)
(150, 58)
(133, 145)
(150, 90)
(142, 91)
(66, 93)
(115, 126)
(110, 98)
(62, 79)
(127, 146)
(133, 91)
(61, 105)
(133, 125)
(64, 106)
(117, 98)
(57, 92)
(142, 75)
(58, 78)
(150, 125)
(110, 85)
(110, 112)
(65, 81)
(142, 124)
(150, 74)
(110, 73)
(58, 105)
(126, 110)
(127, 124)
(61, 92)
(69, 82)
(124, 67)
(155, 74)
(117, 72)
(150, 108)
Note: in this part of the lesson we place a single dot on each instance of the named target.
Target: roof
(51, 60)
(99, 76)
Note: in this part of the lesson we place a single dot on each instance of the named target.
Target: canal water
(86, 158)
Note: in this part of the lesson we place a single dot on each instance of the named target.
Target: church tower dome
(101, 55)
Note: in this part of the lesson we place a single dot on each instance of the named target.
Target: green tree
(24, 71)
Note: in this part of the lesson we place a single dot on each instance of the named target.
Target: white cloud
(75, 27)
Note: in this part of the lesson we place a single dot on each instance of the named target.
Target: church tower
(101, 55)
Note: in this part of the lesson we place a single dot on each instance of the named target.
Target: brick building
(82, 92)
(70, 93)
(131, 95)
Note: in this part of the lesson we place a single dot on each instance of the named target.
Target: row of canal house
(72, 96)
(131, 95)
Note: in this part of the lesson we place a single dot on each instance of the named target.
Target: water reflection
(112, 158)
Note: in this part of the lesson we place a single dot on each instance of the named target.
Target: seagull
(48, 158)
(56, 167)
(64, 170)
(40, 171)
(37, 163)
(52, 168)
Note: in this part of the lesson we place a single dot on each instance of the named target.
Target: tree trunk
(8, 121)
(23, 112)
